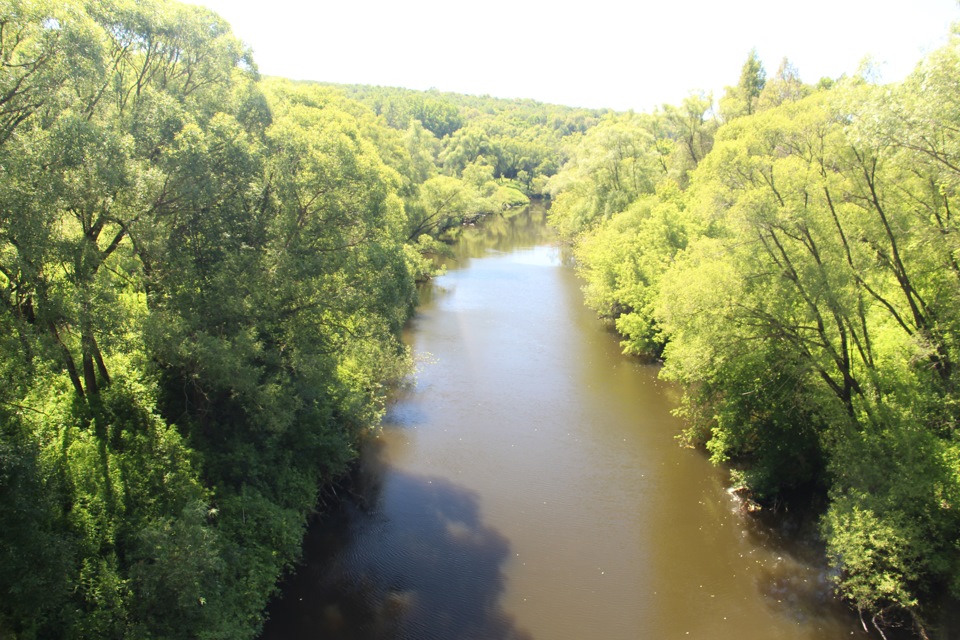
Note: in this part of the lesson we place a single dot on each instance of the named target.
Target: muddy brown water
(528, 485)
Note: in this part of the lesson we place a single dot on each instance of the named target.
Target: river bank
(528, 484)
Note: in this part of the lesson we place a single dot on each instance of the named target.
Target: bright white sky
(621, 54)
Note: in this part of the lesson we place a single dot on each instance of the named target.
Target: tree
(785, 86)
(623, 259)
(828, 259)
(443, 202)
(692, 130)
(742, 99)
(612, 165)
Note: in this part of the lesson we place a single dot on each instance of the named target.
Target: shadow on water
(428, 569)
(796, 580)
(406, 556)
(794, 577)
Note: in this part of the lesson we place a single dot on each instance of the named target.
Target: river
(528, 485)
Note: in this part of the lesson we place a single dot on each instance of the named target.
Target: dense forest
(203, 277)
(204, 274)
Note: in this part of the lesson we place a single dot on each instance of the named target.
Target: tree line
(203, 277)
(792, 257)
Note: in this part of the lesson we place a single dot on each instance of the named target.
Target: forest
(204, 274)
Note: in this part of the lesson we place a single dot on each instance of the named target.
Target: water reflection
(501, 233)
(369, 575)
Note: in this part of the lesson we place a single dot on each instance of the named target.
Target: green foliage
(742, 99)
(800, 277)
(875, 551)
(611, 166)
(830, 271)
(443, 203)
(202, 282)
(622, 261)
(692, 130)
(784, 86)
(892, 529)
(203, 278)
(521, 140)
(36, 556)
(439, 118)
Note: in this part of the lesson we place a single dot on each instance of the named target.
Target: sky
(617, 54)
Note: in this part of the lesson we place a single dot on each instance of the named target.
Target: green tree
(828, 259)
(742, 99)
(623, 259)
(784, 86)
(691, 126)
(612, 165)
(443, 203)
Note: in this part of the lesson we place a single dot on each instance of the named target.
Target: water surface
(528, 484)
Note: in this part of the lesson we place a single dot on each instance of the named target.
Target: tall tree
(742, 99)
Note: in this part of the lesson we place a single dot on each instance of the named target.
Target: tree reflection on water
(428, 568)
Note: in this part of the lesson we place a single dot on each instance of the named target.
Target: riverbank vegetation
(204, 273)
(793, 259)
(203, 277)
